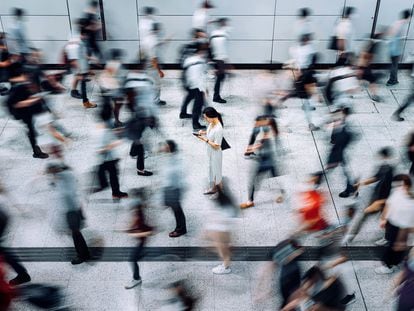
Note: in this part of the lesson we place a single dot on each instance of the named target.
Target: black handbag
(333, 43)
(224, 144)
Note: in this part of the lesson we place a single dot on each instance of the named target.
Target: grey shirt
(67, 190)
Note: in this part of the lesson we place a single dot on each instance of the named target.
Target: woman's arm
(27, 102)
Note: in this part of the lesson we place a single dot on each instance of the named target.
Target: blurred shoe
(78, 260)
(211, 191)
(75, 94)
(376, 98)
(220, 269)
(88, 105)
(381, 242)
(20, 279)
(119, 195)
(384, 270)
(144, 173)
(246, 205)
(39, 154)
(396, 117)
(185, 116)
(389, 83)
(133, 283)
(219, 100)
(162, 103)
(348, 300)
(249, 155)
(176, 234)
(348, 192)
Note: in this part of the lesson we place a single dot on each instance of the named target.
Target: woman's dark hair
(171, 145)
(148, 10)
(18, 12)
(304, 12)
(213, 113)
(349, 10)
(405, 179)
(405, 14)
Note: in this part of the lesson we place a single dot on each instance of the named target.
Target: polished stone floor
(99, 286)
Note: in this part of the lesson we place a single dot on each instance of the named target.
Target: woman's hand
(201, 132)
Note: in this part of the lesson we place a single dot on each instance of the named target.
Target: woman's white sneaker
(220, 269)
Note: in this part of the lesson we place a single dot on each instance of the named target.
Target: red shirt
(311, 210)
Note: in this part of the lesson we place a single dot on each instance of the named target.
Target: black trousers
(112, 169)
(74, 220)
(28, 120)
(83, 88)
(220, 75)
(258, 176)
(172, 199)
(137, 149)
(391, 257)
(406, 103)
(93, 47)
(136, 255)
(198, 97)
(394, 69)
(12, 261)
(81, 247)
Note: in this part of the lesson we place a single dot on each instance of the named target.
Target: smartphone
(196, 134)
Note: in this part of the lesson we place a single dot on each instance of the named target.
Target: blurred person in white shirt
(219, 49)
(201, 16)
(398, 221)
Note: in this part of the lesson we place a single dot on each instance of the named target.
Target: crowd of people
(26, 89)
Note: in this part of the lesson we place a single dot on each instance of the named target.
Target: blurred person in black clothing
(383, 180)
(410, 152)
(341, 138)
(24, 104)
(10, 258)
(5, 62)
(92, 25)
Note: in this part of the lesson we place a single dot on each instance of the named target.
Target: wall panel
(36, 7)
(43, 27)
(318, 7)
(121, 20)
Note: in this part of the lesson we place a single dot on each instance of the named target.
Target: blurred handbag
(224, 144)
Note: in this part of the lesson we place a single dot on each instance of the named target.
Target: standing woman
(213, 137)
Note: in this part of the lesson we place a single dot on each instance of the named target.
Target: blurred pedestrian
(17, 38)
(201, 16)
(218, 45)
(107, 144)
(344, 34)
(398, 221)
(383, 180)
(410, 152)
(396, 35)
(404, 285)
(266, 164)
(139, 230)
(92, 25)
(218, 230)
(195, 81)
(71, 208)
(173, 185)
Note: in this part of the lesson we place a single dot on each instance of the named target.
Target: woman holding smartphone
(213, 137)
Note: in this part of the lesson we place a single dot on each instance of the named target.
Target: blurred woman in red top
(309, 207)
